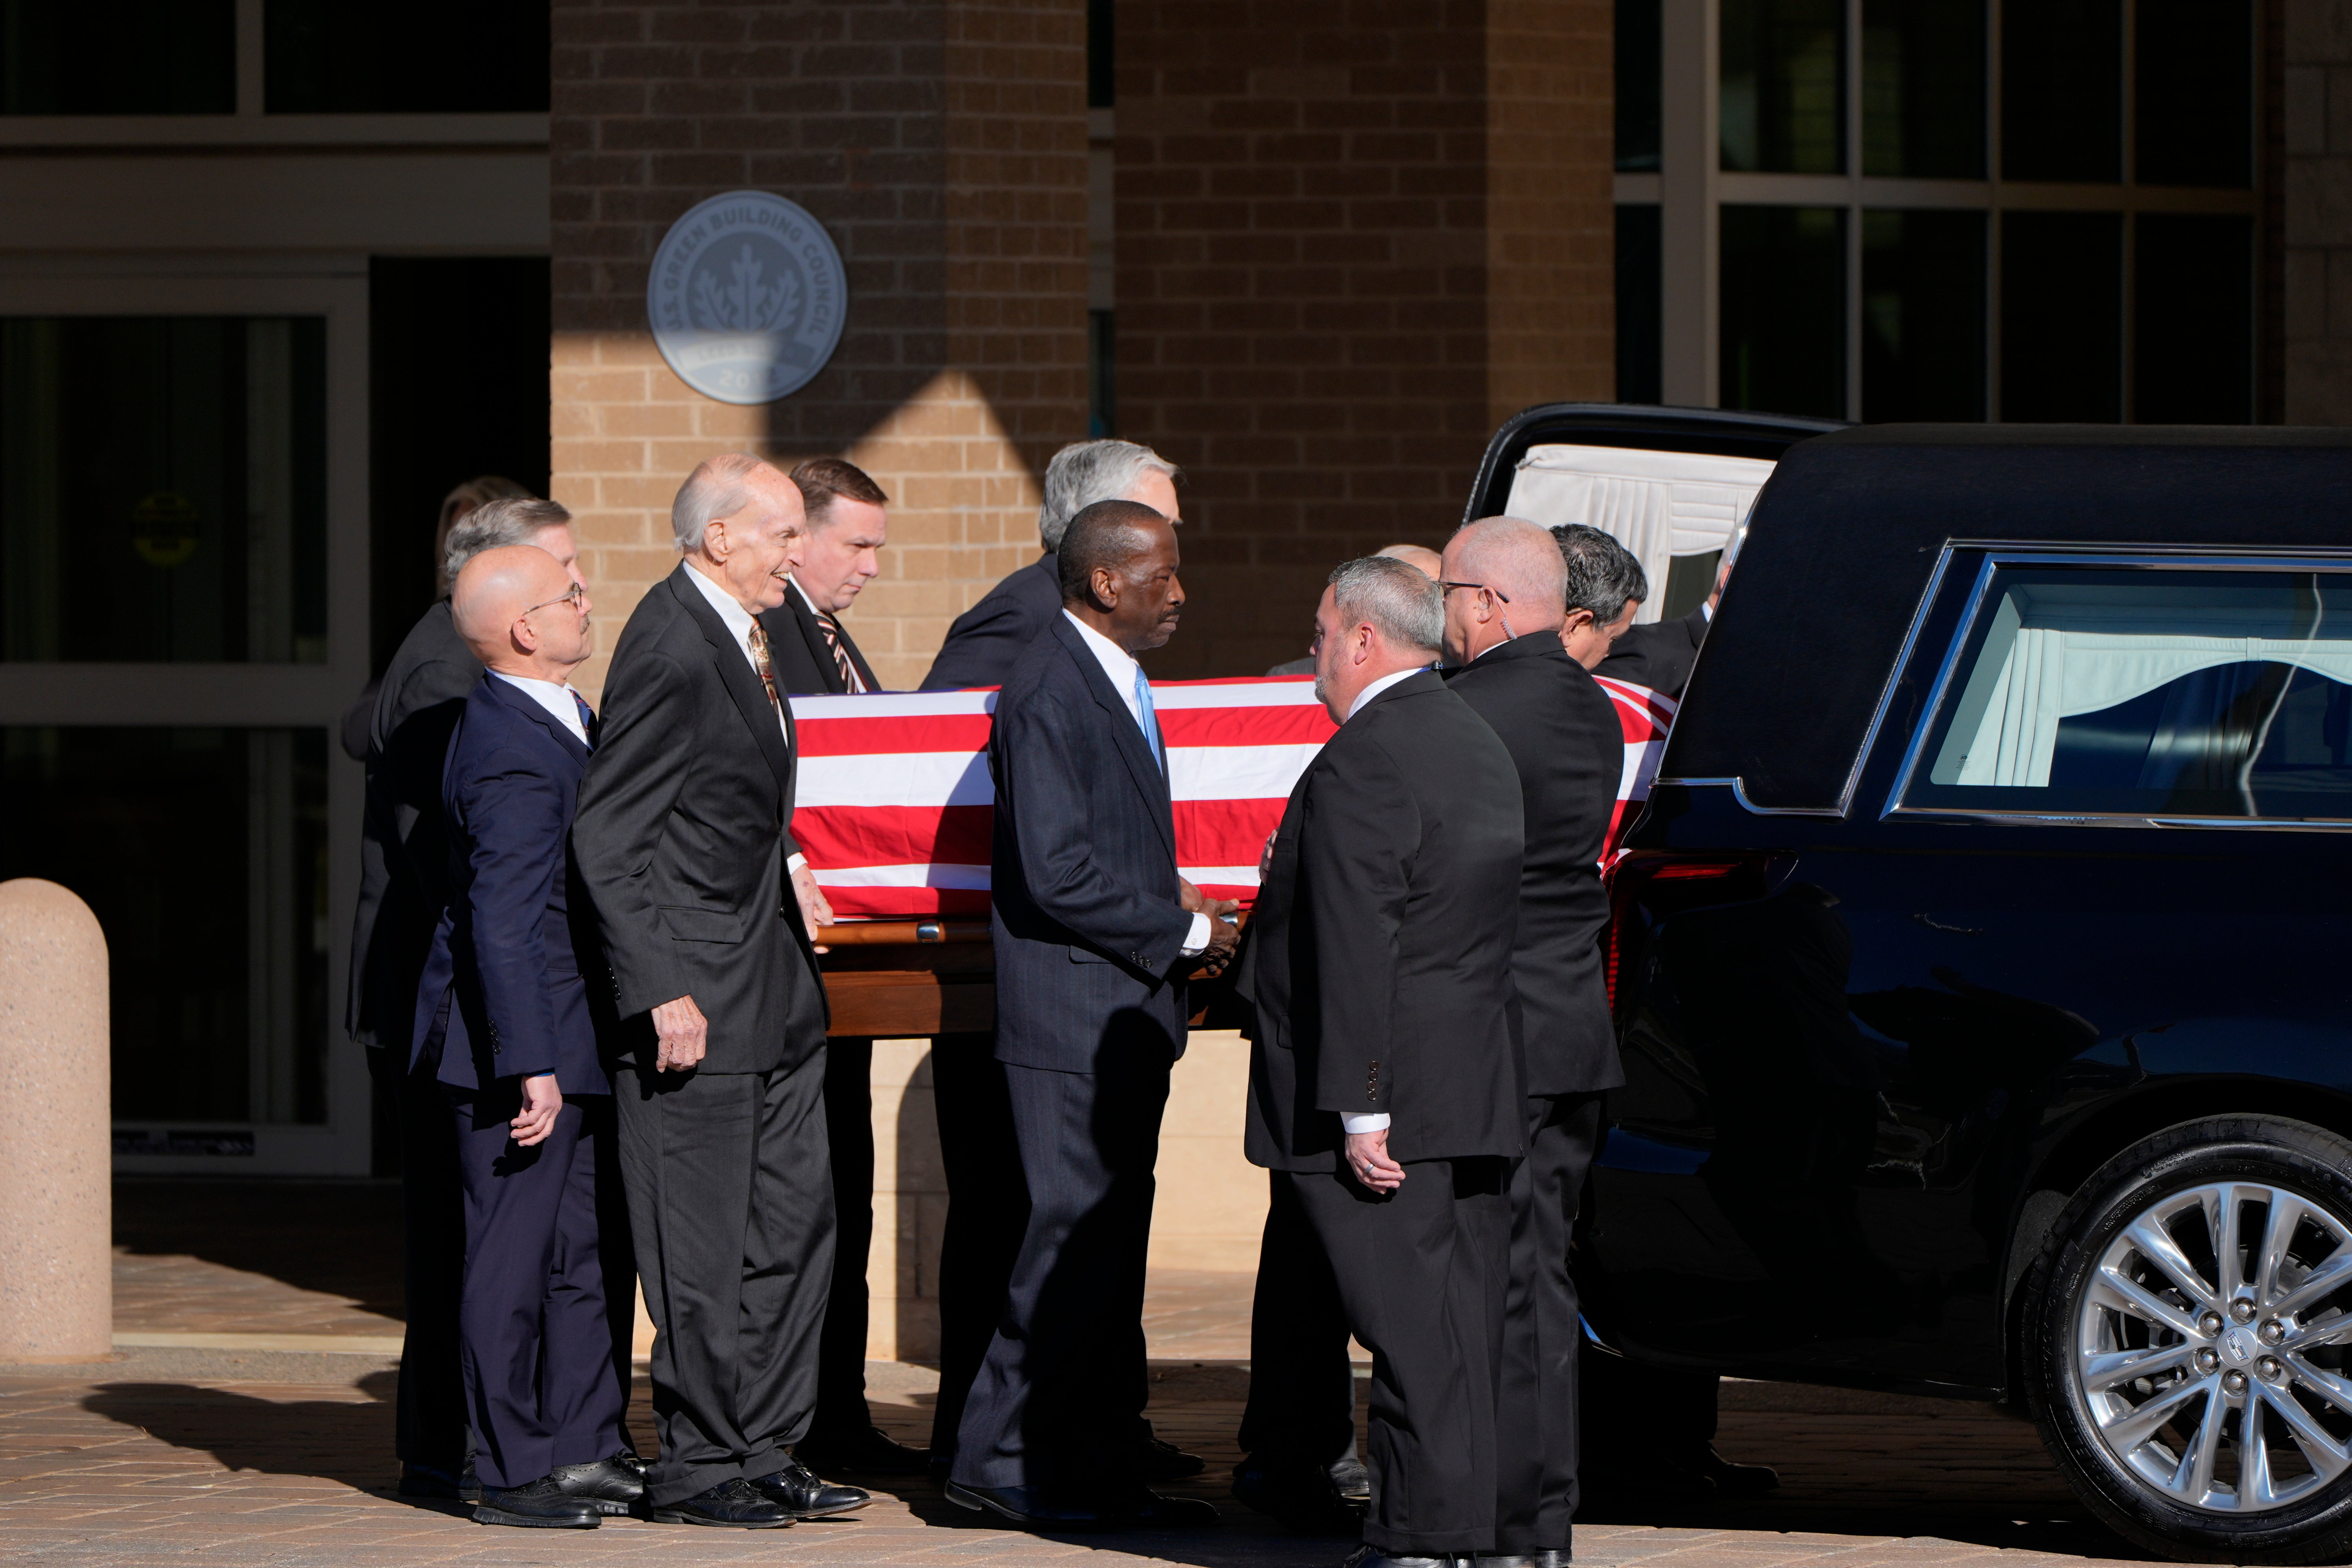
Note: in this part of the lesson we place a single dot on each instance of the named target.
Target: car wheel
(2188, 1329)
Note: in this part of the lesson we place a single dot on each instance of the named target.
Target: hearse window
(2149, 693)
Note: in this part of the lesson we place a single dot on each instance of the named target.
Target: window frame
(1971, 609)
(1691, 187)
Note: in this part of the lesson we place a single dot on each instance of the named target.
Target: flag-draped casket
(894, 804)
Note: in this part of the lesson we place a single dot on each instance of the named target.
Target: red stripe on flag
(905, 904)
(894, 736)
(1290, 725)
(852, 836)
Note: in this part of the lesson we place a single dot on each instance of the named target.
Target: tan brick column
(942, 143)
(1343, 252)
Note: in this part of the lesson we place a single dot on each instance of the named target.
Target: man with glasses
(508, 1023)
(1506, 586)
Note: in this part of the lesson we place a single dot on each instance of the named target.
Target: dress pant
(1302, 1390)
(841, 1409)
(1063, 1386)
(988, 1212)
(730, 1206)
(430, 1427)
(537, 1345)
(1424, 1273)
(1535, 1409)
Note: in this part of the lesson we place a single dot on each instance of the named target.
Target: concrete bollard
(57, 1200)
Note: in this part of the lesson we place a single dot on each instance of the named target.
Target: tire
(2144, 1352)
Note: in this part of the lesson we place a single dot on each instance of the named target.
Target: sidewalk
(252, 1448)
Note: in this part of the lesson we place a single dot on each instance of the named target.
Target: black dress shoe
(427, 1482)
(732, 1505)
(868, 1453)
(1301, 1494)
(469, 1485)
(542, 1505)
(1552, 1558)
(1737, 1482)
(1354, 1482)
(635, 1466)
(1143, 1510)
(1159, 1461)
(1374, 1557)
(612, 1486)
(1030, 1506)
(802, 1496)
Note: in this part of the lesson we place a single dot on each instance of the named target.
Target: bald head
(520, 613)
(1513, 583)
(1420, 557)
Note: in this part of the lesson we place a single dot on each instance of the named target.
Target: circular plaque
(747, 297)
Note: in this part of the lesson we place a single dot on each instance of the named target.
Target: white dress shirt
(739, 623)
(1378, 1120)
(1120, 668)
(556, 696)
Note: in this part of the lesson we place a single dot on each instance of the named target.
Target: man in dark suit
(1419, 556)
(708, 916)
(1384, 1078)
(814, 653)
(1506, 595)
(404, 885)
(985, 640)
(506, 1021)
(1095, 933)
(1605, 586)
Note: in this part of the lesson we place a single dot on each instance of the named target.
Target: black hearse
(1983, 961)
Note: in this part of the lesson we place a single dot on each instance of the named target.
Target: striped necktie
(839, 648)
(587, 717)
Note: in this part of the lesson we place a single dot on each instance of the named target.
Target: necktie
(840, 651)
(1145, 716)
(587, 718)
(759, 641)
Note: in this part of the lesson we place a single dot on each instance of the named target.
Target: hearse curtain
(1658, 505)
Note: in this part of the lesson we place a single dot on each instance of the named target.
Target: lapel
(734, 667)
(1148, 779)
(1418, 682)
(534, 713)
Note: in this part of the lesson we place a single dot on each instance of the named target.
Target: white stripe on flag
(895, 778)
(1299, 694)
(893, 704)
(1641, 767)
(927, 876)
(1220, 876)
(1237, 773)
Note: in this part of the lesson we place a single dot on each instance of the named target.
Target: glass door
(182, 622)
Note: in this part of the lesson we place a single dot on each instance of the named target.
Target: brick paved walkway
(249, 1456)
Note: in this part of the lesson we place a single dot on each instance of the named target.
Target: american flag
(894, 802)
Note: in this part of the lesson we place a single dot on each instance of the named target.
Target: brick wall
(1351, 235)
(942, 143)
(2318, 212)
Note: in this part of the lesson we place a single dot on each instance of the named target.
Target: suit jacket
(404, 842)
(1658, 655)
(796, 646)
(1089, 933)
(987, 638)
(685, 825)
(505, 989)
(1379, 959)
(1562, 733)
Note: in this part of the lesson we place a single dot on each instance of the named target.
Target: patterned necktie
(759, 641)
(840, 651)
(587, 718)
(1146, 716)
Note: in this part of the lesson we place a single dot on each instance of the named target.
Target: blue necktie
(1147, 718)
(587, 718)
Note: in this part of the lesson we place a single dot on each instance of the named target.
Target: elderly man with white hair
(710, 917)
(985, 640)
(1384, 1085)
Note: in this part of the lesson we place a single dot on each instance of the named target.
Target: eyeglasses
(571, 598)
(1449, 587)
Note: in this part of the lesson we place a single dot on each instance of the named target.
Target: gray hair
(719, 487)
(1602, 574)
(1398, 600)
(1088, 471)
(495, 524)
